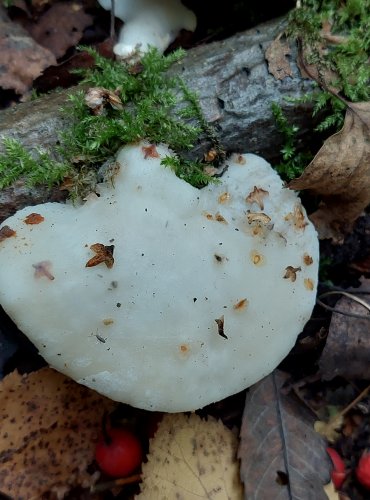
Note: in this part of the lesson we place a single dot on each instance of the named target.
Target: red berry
(363, 470)
(118, 452)
(338, 474)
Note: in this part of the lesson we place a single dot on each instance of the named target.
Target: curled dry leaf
(150, 151)
(34, 219)
(291, 273)
(340, 174)
(104, 254)
(49, 427)
(276, 56)
(97, 98)
(257, 196)
(193, 459)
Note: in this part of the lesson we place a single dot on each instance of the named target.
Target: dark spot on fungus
(220, 324)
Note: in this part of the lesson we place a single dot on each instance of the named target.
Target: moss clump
(343, 47)
(293, 162)
(36, 167)
(340, 54)
(147, 100)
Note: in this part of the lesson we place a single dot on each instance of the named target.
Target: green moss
(347, 59)
(37, 167)
(348, 56)
(293, 162)
(148, 100)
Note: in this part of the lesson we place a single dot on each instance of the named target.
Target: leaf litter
(340, 174)
(21, 58)
(190, 459)
(348, 339)
(49, 427)
(277, 439)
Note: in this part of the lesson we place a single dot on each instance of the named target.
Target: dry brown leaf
(340, 174)
(191, 459)
(322, 75)
(277, 440)
(276, 56)
(49, 427)
(21, 58)
(348, 339)
(60, 27)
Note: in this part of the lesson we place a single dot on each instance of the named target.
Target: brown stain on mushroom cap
(224, 198)
(184, 350)
(241, 305)
(257, 258)
(307, 259)
(309, 284)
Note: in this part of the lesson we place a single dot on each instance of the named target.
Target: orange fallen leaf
(34, 219)
(49, 427)
(104, 254)
(340, 174)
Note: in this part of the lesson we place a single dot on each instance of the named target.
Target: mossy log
(235, 89)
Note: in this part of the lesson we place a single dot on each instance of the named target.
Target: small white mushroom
(154, 23)
(139, 295)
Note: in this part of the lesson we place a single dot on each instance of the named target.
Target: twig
(112, 20)
(351, 296)
(117, 482)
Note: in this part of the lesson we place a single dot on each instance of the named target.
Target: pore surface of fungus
(158, 294)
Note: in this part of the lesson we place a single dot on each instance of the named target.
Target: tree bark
(235, 90)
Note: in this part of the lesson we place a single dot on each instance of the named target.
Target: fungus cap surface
(158, 294)
(149, 23)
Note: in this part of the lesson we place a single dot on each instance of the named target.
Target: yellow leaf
(191, 459)
(331, 492)
(329, 429)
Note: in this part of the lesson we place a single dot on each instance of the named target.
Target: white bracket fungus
(158, 294)
(149, 23)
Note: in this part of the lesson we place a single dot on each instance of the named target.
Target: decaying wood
(235, 89)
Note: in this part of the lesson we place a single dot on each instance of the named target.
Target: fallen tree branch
(235, 91)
